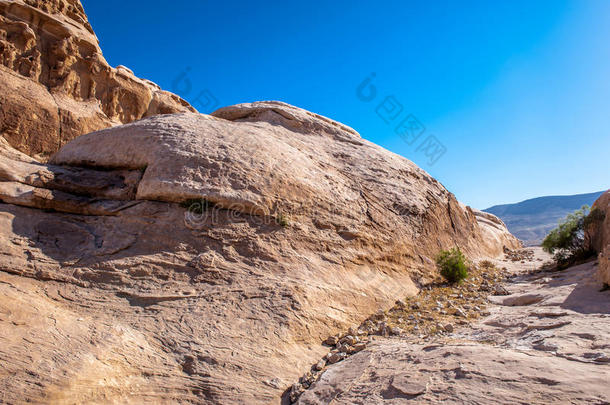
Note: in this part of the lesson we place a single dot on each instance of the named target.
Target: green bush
(452, 265)
(567, 241)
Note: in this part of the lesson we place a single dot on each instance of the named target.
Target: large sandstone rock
(599, 235)
(272, 160)
(55, 84)
(138, 291)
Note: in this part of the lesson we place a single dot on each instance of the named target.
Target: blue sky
(516, 92)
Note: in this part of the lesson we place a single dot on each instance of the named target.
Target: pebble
(336, 357)
(359, 347)
(382, 329)
(320, 365)
(331, 341)
(297, 389)
(459, 312)
(499, 290)
(306, 378)
(349, 340)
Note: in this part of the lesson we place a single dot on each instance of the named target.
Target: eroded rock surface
(55, 84)
(294, 227)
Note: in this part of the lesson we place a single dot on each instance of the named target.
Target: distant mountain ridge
(532, 219)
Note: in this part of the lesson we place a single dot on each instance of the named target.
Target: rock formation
(599, 234)
(55, 84)
(184, 257)
(198, 258)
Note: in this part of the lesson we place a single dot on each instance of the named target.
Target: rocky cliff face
(599, 235)
(201, 258)
(55, 84)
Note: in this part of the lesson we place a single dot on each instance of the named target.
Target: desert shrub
(486, 264)
(569, 234)
(452, 265)
(567, 241)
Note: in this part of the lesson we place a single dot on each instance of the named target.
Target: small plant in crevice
(452, 265)
(282, 220)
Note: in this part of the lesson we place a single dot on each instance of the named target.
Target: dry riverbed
(512, 333)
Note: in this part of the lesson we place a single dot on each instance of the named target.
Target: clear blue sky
(518, 92)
